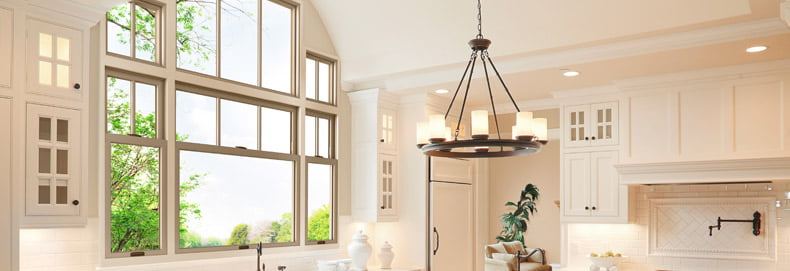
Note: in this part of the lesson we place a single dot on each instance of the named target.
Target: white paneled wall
(62, 249)
(632, 239)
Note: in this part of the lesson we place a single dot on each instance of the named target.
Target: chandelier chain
(479, 20)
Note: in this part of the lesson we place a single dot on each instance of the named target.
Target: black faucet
(260, 252)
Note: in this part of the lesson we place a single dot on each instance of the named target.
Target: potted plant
(514, 223)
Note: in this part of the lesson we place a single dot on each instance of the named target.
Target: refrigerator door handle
(436, 233)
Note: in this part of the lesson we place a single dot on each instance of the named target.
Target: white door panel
(5, 185)
(605, 184)
(576, 195)
(452, 242)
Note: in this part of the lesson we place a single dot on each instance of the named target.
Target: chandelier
(436, 138)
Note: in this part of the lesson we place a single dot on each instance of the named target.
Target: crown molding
(710, 171)
(673, 41)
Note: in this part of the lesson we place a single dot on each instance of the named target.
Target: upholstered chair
(512, 256)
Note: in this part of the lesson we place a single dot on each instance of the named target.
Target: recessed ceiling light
(569, 73)
(756, 49)
(441, 91)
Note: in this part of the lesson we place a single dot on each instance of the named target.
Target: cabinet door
(6, 48)
(53, 161)
(576, 126)
(603, 128)
(387, 185)
(54, 60)
(605, 184)
(576, 184)
(452, 170)
(5, 185)
(387, 120)
(452, 217)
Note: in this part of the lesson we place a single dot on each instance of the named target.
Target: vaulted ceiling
(410, 44)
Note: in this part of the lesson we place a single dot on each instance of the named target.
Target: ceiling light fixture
(441, 91)
(756, 49)
(570, 73)
(435, 138)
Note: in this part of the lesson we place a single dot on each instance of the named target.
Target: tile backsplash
(633, 239)
(59, 249)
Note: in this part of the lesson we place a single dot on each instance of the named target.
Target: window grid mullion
(260, 43)
(219, 121)
(218, 37)
(132, 107)
(133, 30)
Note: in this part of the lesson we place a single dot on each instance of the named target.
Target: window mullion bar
(133, 30)
(260, 43)
(219, 121)
(132, 107)
(260, 128)
(317, 89)
(218, 36)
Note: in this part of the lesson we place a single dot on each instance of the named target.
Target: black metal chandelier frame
(480, 146)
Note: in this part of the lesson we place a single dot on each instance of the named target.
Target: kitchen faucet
(260, 252)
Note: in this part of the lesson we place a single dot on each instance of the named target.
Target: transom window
(133, 31)
(319, 82)
(247, 41)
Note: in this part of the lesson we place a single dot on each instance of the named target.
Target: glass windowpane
(63, 49)
(581, 117)
(323, 82)
(319, 202)
(145, 107)
(63, 76)
(44, 160)
(44, 45)
(310, 136)
(45, 73)
(119, 21)
(276, 45)
(197, 38)
(239, 124)
(275, 130)
(118, 106)
(196, 118)
(62, 162)
(221, 208)
(63, 130)
(135, 198)
(310, 68)
(323, 137)
(145, 34)
(240, 41)
(44, 128)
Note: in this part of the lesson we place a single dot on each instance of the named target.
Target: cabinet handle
(75, 202)
(586, 207)
(77, 86)
(593, 208)
(435, 232)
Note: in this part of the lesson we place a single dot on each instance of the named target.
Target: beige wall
(508, 176)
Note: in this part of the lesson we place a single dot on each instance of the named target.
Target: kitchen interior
(657, 135)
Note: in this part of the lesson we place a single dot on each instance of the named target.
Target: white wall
(632, 239)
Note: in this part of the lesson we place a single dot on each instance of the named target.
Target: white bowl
(606, 262)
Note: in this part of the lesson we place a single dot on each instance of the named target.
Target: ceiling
(378, 41)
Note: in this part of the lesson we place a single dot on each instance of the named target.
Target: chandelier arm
(491, 97)
(458, 88)
(466, 95)
(503, 83)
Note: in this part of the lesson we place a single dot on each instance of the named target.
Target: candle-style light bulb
(436, 123)
(423, 133)
(524, 126)
(480, 124)
(540, 126)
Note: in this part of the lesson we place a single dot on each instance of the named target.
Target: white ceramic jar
(386, 256)
(360, 250)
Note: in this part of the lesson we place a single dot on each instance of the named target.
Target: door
(604, 124)
(577, 119)
(387, 185)
(576, 185)
(5, 185)
(53, 161)
(452, 247)
(605, 184)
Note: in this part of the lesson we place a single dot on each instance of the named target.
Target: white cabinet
(54, 60)
(53, 161)
(452, 170)
(6, 235)
(590, 124)
(452, 220)
(591, 190)
(375, 157)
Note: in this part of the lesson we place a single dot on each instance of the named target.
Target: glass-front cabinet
(591, 124)
(54, 60)
(53, 161)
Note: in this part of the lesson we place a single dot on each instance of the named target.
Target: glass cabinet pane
(44, 128)
(61, 192)
(44, 160)
(45, 73)
(62, 162)
(600, 116)
(44, 45)
(63, 131)
(581, 117)
(63, 49)
(43, 194)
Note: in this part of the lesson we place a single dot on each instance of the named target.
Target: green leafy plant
(514, 223)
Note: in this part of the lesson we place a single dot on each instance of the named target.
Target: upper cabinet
(591, 190)
(54, 60)
(53, 162)
(6, 46)
(738, 119)
(590, 125)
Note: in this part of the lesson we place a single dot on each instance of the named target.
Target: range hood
(709, 171)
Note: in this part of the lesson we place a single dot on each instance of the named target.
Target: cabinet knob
(586, 138)
(593, 208)
(593, 138)
(382, 207)
(75, 202)
(586, 207)
(77, 86)
(381, 140)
